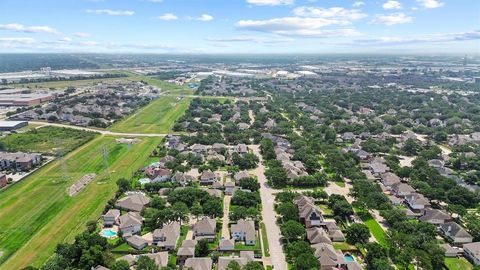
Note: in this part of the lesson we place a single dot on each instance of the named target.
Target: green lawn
(374, 227)
(458, 264)
(266, 249)
(51, 140)
(241, 246)
(157, 117)
(37, 214)
(344, 246)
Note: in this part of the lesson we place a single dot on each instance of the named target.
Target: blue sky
(240, 26)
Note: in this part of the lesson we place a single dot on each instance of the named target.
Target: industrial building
(12, 125)
(24, 99)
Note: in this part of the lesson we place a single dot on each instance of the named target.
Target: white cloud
(358, 4)
(81, 35)
(271, 2)
(392, 19)
(111, 12)
(28, 29)
(432, 38)
(205, 18)
(250, 39)
(392, 4)
(66, 40)
(431, 3)
(296, 26)
(333, 12)
(17, 40)
(89, 43)
(168, 17)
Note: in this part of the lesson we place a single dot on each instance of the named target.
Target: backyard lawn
(458, 264)
(37, 214)
(157, 117)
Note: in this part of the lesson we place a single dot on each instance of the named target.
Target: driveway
(267, 194)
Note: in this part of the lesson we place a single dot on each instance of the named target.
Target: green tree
(120, 265)
(250, 183)
(123, 185)
(253, 266)
(292, 230)
(234, 265)
(145, 263)
(180, 212)
(288, 211)
(306, 261)
(357, 233)
(201, 249)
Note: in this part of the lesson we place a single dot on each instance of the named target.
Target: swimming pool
(349, 258)
(108, 233)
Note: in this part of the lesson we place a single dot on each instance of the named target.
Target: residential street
(268, 214)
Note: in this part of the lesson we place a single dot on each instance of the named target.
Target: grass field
(37, 214)
(157, 117)
(48, 139)
(458, 264)
(374, 227)
(266, 248)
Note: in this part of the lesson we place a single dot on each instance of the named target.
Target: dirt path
(269, 218)
(104, 132)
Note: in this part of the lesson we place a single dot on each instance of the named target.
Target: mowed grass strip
(157, 117)
(374, 227)
(37, 214)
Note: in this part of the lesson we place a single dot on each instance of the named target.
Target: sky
(240, 26)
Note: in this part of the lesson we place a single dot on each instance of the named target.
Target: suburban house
(160, 258)
(199, 263)
(455, 233)
(137, 242)
(19, 161)
(317, 235)
(182, 178)
(111, 217)
(240, 148)
(186, 251)
(378, 168)
(329, 257)
(389, 179)
(239, 176)
(435, 216)
(167, 237)
(133, 202)
(244, 230)
(226, 245)
(333, 230)
(310, 215)
(130, 223)
(402, 189)
(472, 252)
(208, 177)
(161, 175)
(199, 149)
(205, 229)
(417, 201)
(244, 258)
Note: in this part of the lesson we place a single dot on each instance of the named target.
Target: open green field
(458, 264)
(64, 84)
(167, 87)
(157, 117)
(37, 213)
(48, 139)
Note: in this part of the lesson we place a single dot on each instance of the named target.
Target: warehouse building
(12, 125)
